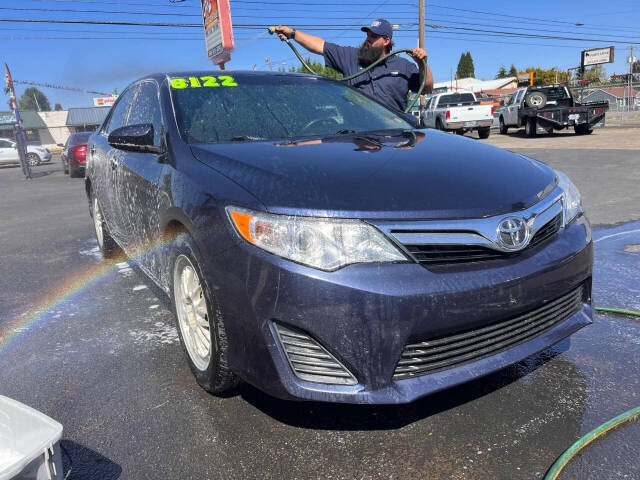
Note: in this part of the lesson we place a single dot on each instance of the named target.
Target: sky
(105, 58)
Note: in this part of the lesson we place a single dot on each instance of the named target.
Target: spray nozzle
(271, 30)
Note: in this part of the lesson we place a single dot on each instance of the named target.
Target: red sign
(218, 30)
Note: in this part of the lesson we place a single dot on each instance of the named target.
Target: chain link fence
(624, 101)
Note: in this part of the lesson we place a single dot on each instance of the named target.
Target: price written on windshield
(180, 83)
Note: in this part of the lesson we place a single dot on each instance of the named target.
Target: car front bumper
(364, 315)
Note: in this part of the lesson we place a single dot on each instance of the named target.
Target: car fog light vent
(310, 361)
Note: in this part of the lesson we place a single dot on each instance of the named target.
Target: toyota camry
(315, 245)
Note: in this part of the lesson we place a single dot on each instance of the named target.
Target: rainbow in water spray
(70, 289)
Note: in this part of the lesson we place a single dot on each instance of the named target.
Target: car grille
(310, 361)
(447, 254)
(441, 353)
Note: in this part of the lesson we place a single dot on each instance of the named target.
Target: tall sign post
(421, 43)
(21, 138)
(218, 30)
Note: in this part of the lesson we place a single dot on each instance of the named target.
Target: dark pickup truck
(545, 108)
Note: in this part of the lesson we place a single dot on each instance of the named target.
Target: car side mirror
(59, 145)
(134, 138)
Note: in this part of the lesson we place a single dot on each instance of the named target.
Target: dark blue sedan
(315, 245)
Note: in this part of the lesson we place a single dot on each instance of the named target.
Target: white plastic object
(29, 443)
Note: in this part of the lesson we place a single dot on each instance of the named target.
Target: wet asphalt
(97, 351)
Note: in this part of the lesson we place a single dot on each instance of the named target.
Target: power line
(321, 27)
(119, 12)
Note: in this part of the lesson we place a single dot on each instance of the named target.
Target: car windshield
(273, 107)
(456, 99)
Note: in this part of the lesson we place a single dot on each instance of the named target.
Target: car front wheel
(200, 321)
(503, 128)
(33, 159)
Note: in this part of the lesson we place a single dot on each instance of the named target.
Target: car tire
(484, 132)
(33, 159)
(199, 319)
(65, 167)
(106, 243)
(583, 130)
(535, 100)
(503, 128)
(530, 127)
(439, 125)
(460, 132)
(74, 173)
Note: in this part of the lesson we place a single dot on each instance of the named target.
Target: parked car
(460, 112)
(333, 252)
(36, 154)
(545, 108)
(74, 154)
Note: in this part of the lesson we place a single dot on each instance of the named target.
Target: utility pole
(631, 61)
(421, 39)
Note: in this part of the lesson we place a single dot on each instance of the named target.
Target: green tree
(542, 76)
(319, 68)
(596, 75)
(34, 99)
(513, 71)
(502, 72)
(57, 107)
(465, 66)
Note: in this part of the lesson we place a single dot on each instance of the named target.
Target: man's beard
(367, 54)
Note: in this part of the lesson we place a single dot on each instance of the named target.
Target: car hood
(392, 174)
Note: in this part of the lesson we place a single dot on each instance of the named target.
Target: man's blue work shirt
(388, 82)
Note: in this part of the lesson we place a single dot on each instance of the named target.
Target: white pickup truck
(459, 112)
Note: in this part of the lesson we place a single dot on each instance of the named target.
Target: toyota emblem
(513, 233)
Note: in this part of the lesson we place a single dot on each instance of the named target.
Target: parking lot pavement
(600, 139)
(86, 342)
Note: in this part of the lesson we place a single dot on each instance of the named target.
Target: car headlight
(323, 243)
(572, 202)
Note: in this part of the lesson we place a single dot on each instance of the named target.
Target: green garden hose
(357, 74)
(585, 440)
(621, 311)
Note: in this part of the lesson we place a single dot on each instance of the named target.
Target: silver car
(36, 154)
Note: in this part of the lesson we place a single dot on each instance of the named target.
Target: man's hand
(418, 54)
(284, 32)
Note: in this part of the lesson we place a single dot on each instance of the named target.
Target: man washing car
(388, 82)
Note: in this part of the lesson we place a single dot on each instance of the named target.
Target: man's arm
(310, 42)
(418, 54)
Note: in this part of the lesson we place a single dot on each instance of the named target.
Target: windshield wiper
(344, 132)
(245, 138)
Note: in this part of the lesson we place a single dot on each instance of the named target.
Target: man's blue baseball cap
(379, 27)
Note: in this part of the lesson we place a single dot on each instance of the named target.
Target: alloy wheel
(97, 222)
(192, 312)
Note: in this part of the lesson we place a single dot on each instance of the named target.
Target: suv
(36, 154)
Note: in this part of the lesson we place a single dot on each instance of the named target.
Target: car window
(146, 109)
(456, 99)
(5, 144)
(78, 138)
(276, 107)
(119, 112)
